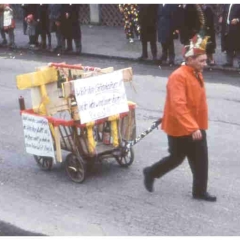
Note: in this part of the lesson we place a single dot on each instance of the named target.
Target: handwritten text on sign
(100, 96)
(38, 140)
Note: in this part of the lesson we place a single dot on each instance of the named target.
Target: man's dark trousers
(197, 153)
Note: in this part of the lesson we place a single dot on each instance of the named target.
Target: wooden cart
(53, 99)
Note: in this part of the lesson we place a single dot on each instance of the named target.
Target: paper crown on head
(196, 47)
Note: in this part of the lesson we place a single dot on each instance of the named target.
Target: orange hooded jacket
(185, 108)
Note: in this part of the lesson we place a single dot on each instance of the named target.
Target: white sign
(37, 136)
(100, 96)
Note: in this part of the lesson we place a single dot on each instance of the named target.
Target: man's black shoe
(206, 196)
(148, 180)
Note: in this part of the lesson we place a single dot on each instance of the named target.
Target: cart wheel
(44, 163)
(75, 168)
(126, 159)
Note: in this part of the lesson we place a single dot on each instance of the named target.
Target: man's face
(198, 62)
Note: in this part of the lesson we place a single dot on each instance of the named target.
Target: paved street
(112, 201)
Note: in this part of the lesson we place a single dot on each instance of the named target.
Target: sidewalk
(104, 41)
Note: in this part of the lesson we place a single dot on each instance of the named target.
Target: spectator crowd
(163, 23)
(39, 21)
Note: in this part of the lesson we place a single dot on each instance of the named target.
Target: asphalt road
(112, 201)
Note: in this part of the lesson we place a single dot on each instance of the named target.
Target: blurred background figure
(3, 35)
(56, 16)
(31, 31)
(30, 26)
(230, 34)
(9, 25)
(130, 17)
(148, 25)
(209, 30)
(71, 27)
(166, 30)
(44, 26)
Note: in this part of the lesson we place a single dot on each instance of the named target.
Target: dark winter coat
(231, 33)
(55, 13)
(71, 26)
(44, 24)
(166, 23)
(187, 21)
(209, 29)
(148, 22)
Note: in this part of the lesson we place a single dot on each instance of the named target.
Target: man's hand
(197, 135)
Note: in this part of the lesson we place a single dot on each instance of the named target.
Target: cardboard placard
(100, 96)
(37, 136)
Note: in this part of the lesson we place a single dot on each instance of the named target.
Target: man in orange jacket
(185, 120)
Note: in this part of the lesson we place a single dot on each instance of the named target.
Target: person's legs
(69, 44)
(144, 50)
(11, 37)
(198, 160)
(229, 58)
(3, 35)
(177, 150)
(60, 39)
(153, 45)
(43, 40)
(171, 51)
(49, 37)
(238, 58)
(163, 57)
(78, 45)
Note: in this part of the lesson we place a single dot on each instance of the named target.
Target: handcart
(109, 137)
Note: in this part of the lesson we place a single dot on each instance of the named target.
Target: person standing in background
(130, 16)
(209, 30)
(30, 17)
(44, 26)
(230, 35)
(9, 25)
(148, 26)
(71, 27)
(3, 35)
(166, 28)
(55, 16)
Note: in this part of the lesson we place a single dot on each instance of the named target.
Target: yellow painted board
(34, 79)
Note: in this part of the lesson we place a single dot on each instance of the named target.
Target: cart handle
(154, 125)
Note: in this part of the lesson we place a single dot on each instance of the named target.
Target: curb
(129, 59)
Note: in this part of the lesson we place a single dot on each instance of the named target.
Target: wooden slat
(58, 144)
